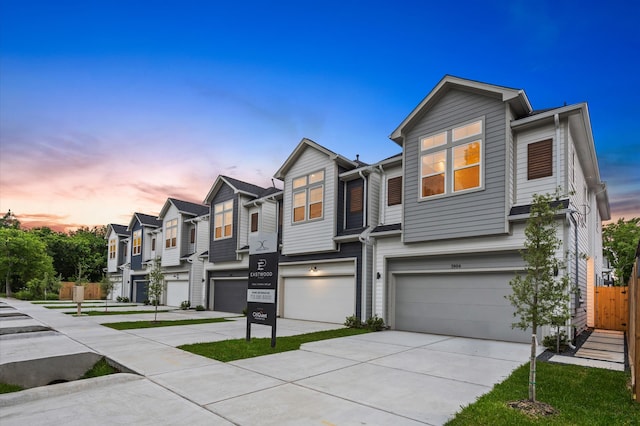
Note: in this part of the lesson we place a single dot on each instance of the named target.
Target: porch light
(314, 268)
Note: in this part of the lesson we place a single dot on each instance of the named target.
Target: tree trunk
(532, 369)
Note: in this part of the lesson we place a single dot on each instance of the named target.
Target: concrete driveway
(384, 378)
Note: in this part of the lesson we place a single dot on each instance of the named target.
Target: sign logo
(262, 247)
(262, 263)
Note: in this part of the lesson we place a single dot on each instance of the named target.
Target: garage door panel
(325, 299)
(177, 292)
(230, 295)
(471, 305)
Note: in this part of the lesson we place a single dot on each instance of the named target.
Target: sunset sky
(108, 108)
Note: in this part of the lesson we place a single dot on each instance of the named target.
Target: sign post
(262, 291)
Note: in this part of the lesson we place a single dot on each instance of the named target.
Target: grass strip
(89, 305)
(582, 396)
(100, 368)
(8, 388)
(129, 325)
(231, 350)
(98, 313)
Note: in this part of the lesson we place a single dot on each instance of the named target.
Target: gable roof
(145, 220)
(120, 230)
(184, 207)
(238, 186)
(308, 143)
(516, 97)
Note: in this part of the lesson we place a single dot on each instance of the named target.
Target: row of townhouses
(427, 239)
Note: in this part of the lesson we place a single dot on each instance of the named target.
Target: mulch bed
(533, 409)
(567, 351)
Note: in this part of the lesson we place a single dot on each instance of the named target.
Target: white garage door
(470, 305)
(325, 299)
(177, 292)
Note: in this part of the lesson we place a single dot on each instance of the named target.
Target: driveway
(383, 378)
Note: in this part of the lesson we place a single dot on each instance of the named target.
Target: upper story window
(540, 159)
(192, 235)
(171, 233)
(356, 199)
(137, 242)
(308, 197)
(153, 244)
(451, 161)
(394, 191)
(254, 222)
(112, 248)
(223, 220)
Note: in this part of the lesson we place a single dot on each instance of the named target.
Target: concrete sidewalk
(383, 378)
(603, 349)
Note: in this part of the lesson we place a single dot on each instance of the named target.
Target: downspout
(364, 238)
(556, 119)
(575, 245)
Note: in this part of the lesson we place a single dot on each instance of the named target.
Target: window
(540, 159)
(308, 197)
(192, 235)
(451, 161)
(355, 196)
(254, 222)
(137, 242)
(112, 248)
(153, 244)
(394, 191)
(223, 220)
(171, 233)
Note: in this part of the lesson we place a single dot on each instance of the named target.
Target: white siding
(526, 188)
(390, 214)
(112, 264)
(269, 216)
(243, 222)
(373, 205)
(197, 296)
(317, 235)
(170, 256)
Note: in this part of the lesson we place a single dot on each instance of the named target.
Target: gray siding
(224, 249)
(476, 213)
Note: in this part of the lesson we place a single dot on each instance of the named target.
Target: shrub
(353, 322)
(185, 305)
(551, 341)
(119, 299)
(375, 323)
(199, 308)
(147, 301)
(23, 295)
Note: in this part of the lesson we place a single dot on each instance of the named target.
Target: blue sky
(107, 108)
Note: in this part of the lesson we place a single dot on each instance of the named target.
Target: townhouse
(427, 239)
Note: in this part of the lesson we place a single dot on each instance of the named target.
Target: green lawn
(102, 312)
(582, 396)
(231, 350)
(128, 325)
(8, 388)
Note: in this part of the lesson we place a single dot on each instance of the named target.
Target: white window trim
(221, 214)
(171, 227)
(137, 235)
(448, 147)
(306, 189)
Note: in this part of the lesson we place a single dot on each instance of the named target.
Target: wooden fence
(91, 291)
(612, 308)
(633, 332)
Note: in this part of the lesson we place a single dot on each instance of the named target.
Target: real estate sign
(262, 290)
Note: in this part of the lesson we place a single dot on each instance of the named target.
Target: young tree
(540, 296)
(106, 286)
(156, 285)
(619, 243)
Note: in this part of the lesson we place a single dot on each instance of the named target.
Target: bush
(551, 341)
(199, 308)
(375, 323)
(122, 299)
(147, 302)
(23, 295)
(185, 305)
(353, 322)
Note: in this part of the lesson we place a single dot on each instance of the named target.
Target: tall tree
(9, 221)
(619, 244)
(156, 285)
(540, 297)
(24, 257)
